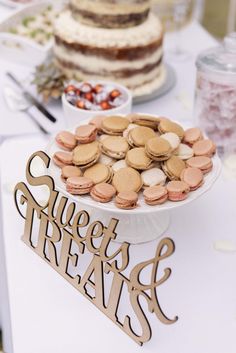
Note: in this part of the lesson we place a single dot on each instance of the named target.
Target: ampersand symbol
(165, 248)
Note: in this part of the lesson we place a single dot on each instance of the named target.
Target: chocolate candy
(115, 93)
(86, 87)
(70, 88)
(80, 104)
(96, 97)
(105, 105)
(98, 88)
(89, 96)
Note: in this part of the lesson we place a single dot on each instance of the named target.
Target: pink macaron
(204, 148)
(155, 195)
(69, 171)
(66, 140)
(86, 133)
(193, 177)
(192, 135)
(97, 122)
(127, 200)
(201, 162)
(103, 192)
(62, 159)
(177, 190)
(79, 185)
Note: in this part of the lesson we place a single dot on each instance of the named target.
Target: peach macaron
(201, 162)
(193, 177)
(70, 171)
(86, 133)
(177, 190)
(192, 135)
(79, 185)
(155, 195)
(103, 192)
(204, 148)
(62, 159)
(126, 200)
(97, 122)
(66, 140)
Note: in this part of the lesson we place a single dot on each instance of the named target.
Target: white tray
(13, 4)
(16, 47)
(142, 224)
(168, 84)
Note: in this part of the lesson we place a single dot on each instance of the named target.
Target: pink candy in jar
(215, 106)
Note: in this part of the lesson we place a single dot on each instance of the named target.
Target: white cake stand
(143, 224)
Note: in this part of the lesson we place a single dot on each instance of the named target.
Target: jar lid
(221, 59)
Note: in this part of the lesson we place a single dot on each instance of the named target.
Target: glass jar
(174, 14)
(215, 104)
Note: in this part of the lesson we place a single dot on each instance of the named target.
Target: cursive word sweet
(65, 236)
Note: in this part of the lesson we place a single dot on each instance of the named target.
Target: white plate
(143, 224)
(55, 172)
(16, 47)
(14, 4)
(168, 84)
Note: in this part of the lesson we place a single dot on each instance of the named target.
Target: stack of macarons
(116, 157)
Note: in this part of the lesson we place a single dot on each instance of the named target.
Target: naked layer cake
(130, 53)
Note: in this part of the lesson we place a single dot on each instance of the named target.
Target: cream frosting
(94, 63)
(130, 82)
(73, 31)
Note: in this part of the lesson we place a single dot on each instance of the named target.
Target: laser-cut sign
(67, 226)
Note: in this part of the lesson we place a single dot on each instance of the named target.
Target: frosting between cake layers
(89, 62)
(110, 14)
(131, 82)
(113, 53)
(107, 20)
(117, 74)
(73, 31)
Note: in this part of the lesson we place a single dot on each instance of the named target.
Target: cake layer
(109, 20)
(99, 63)
(113, 53)
(131, 82)
(112, 7)
(110, 13)
(131, 56)
(78, 35)
(116, 74)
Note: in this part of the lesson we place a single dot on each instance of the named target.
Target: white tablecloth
(41, 313)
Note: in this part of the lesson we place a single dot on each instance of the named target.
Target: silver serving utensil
(27, 95)
(16, 102)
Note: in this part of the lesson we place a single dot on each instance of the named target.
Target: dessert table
(41, 313)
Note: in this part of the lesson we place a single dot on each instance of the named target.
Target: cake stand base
(136, 228)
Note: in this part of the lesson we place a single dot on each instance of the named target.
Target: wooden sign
(63, 236)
